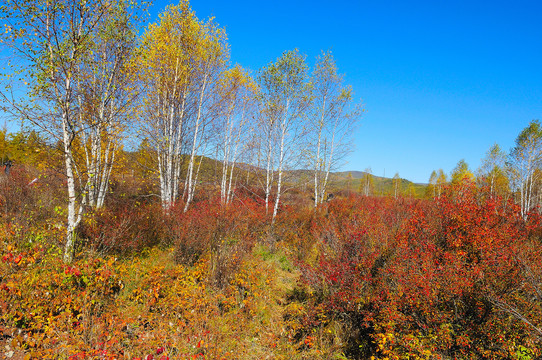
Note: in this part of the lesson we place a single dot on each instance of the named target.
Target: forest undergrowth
(454, 277)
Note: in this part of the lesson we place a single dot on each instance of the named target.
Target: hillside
(211, 173)
(353, 181)
(382, 185)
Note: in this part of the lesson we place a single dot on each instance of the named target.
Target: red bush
(226, 233)
(124, 227)
(448, 277)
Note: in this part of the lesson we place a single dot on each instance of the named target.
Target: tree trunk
(191, 183)
(73, 217)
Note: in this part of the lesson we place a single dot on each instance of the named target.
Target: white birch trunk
(191, 182)
(269, 172)
(318, 166)
(232, 167)
(226, 159)
(229, 193)
(317, 170)
(329, 162)
(73, 217)
(284, 128)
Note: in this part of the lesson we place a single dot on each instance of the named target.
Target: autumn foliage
(202, 241)
(453, 278)
(359, 277)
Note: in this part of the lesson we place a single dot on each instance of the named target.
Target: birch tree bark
(165, 71)
(268, 133)
(441, 181)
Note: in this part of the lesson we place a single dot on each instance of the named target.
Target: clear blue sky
(440, 80)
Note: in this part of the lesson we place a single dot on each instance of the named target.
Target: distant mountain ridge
(381, 185)
(341, 180)
(352, 181)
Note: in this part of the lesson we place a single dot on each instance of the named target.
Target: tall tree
(525, 159)
(331, 122)
(54, 41)
(237, 92)
(266, 144)
(431, 190)
(441, 181)
(492, 171)
(367, 182)
(461, 172)
(211, 57)
(106, 98)
(284, 93)
(179, 62)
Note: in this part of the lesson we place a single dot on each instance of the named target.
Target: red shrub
(124, 227)
(226, 233)
(446, 277)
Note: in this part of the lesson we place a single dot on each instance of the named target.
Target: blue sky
(440, 81)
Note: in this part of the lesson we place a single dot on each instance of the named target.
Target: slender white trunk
(224, 182)
(67, 136)
(170, 140)
(232, 167)
(318, 165)
(162, 154)
(491, 189)
(329, 162)
(529, 193)
(226, 159)
(169, 156)
(317, 169)
(269, 177)
(522, 199)
(284, 128)
(161, 174)
(106, 175)
(229, 192)
(73, 217)
(178, 141)
(191, 183)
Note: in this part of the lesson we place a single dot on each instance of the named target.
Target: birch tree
(284, 93)
(237, 93)
(440, 182)
(52, 39)
(105, 98)
(431, 190)
(461, 172)
(165, 72)
(211, 56)
(267, 135)
(525, 159)
(367, 182)
(492, 171)
(180, 59)
(331, 122)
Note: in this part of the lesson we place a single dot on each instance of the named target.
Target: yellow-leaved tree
(236, 93)
(180, 60)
